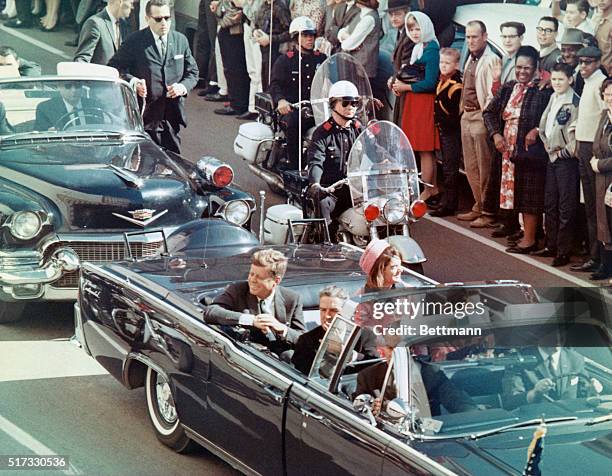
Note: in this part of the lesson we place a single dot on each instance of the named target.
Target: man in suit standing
(331, 301)
(273, 313)
(158, 64)
(103, 33)
(69, 107)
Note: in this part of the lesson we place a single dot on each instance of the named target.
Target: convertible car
(77, 172)
(210, 385)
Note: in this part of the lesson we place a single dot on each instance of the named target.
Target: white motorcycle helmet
(343, 91)
(302, 25)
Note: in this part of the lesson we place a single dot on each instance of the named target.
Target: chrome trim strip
(220, 452)
(179, 313)
(127, 176)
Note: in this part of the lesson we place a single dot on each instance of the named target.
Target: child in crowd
(557, 131)
(447, 114)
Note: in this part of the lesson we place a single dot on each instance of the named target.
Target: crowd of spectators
(532, 127)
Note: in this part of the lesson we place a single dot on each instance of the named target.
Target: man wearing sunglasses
(158, 63)
(329, 150)
(71, 108)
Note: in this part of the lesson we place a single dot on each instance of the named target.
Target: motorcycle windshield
(382, 164)
(338, 67)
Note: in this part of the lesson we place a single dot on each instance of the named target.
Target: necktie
(117, 35)
(162, 48)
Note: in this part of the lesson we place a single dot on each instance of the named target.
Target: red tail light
(371, 212)
(418, 208)
(223, 176)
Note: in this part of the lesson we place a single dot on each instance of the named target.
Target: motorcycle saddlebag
(250, 136)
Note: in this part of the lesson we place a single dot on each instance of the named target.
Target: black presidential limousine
(208, 384)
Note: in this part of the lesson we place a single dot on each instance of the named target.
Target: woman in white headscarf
(417, 80)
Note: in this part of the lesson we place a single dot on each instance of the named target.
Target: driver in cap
(329, 151)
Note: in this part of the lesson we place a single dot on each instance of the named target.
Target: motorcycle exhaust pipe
(268, 177)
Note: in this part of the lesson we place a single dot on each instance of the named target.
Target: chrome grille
(98, 252)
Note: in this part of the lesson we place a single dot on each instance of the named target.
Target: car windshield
(66, 106)
(476, 361)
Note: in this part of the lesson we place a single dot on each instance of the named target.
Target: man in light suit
(558, 375)
(69, 107)
(273, 313)
(103, 33)
(158, 64)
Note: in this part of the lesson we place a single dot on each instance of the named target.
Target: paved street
(56, 400)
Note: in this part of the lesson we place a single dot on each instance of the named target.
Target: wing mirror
(363, 404)
(397, 409)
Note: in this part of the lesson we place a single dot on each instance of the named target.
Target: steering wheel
(94, 112)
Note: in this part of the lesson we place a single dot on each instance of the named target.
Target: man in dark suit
(273, 313)
(342, 15)
(68, 107)
(103, 33)
(331, 301)
(558, 375)
(429, 385)
(158, 63)
(9, 57)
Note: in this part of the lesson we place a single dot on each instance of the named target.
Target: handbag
(411, 73)
(535, 154)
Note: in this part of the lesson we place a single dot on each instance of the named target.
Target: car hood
(90, 184)
(567, 449)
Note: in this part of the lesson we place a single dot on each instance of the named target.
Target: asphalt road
(56, 399)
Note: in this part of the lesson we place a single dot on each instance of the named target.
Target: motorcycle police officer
(285, 79)
(329, 151)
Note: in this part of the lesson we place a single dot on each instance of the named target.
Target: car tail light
(371, 212)
(418, 208)
(215, 171)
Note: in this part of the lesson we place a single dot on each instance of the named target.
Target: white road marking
(35, 42)
(28, 441)
(30, 360)
(499, 247)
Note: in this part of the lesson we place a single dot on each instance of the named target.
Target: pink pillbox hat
(372, 252)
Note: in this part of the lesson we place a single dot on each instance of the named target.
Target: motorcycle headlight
(394, 211)
(237, 212)
(25, 225)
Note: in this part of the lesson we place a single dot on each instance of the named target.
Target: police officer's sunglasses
(159, 19)
(350, 102)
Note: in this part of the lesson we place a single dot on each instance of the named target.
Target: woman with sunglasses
(329, 150)
(417, 81)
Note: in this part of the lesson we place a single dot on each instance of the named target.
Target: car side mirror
(362, 402)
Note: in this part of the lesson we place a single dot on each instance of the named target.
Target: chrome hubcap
(165, 402)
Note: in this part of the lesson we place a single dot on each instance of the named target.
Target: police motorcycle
(263, 144)
(381, 174)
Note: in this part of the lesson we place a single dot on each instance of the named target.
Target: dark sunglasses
(350, 102)
(587, 61)
(71, 86)
(159, 19)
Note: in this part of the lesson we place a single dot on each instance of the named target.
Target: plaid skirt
(529, 185)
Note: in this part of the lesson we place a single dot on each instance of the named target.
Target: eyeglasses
(71, 86)
(159, 19)
(350, 102)
(548, 31)
(587, 61)
(508, 37)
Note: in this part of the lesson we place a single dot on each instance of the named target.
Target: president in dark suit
(558, 375)
(331, 302)
(159, 64)
(103, 33)
(433, 386)
(273, 313)
(70, 107)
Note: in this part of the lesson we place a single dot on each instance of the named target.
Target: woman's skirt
(418, 122)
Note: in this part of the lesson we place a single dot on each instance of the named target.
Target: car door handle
(311, 414)
(275, 393)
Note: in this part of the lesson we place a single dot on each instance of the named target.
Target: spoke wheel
(162, 413)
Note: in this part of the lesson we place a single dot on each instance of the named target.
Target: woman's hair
(529, 52)
(411, 20)
(607, 82)
(375, 278)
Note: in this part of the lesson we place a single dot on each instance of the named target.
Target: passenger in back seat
(331, 302)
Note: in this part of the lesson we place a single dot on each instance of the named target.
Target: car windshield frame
(123, 120)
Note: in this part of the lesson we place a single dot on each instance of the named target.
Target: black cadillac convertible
(77, 171)
(453, 399)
